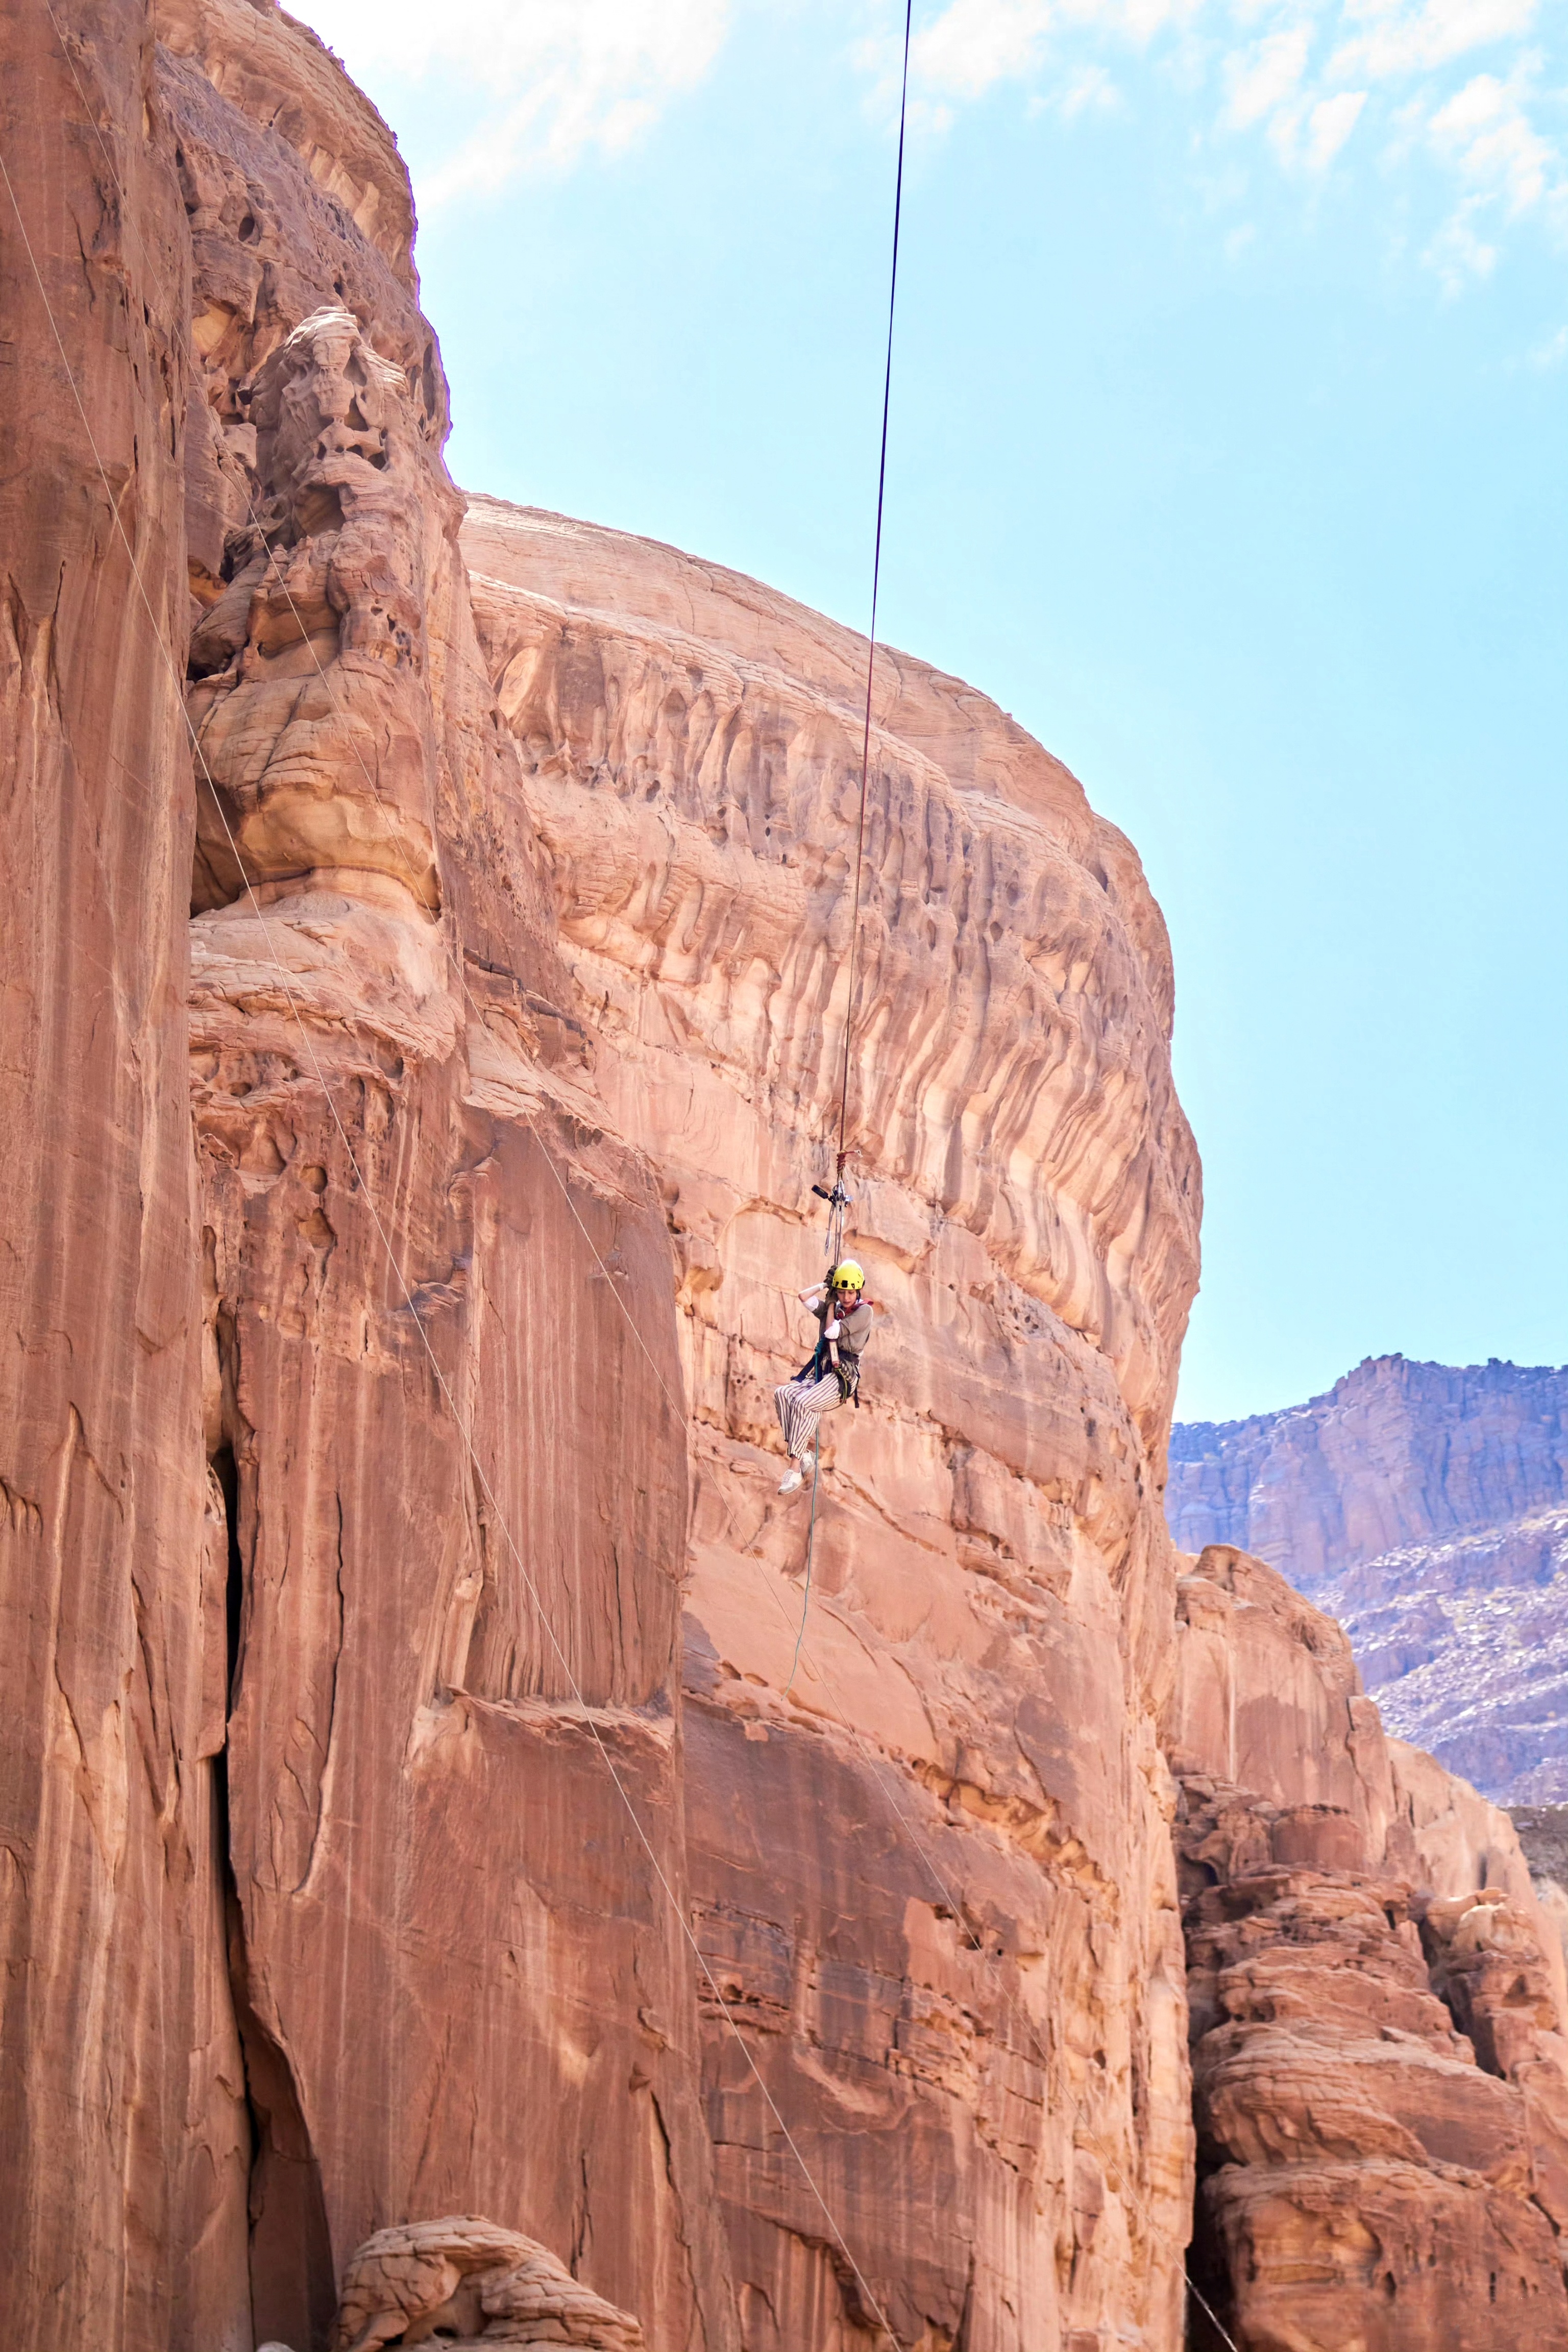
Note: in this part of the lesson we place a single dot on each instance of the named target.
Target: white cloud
(1287, 82)
(1457, 254)
(1485, 134)
(1330, 124)
(974, 44)
(1406, 40)
(1262, 78)
(1090, 91)
(551, 77)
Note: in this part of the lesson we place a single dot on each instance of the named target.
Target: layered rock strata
(1426, 1508)
(1379, 2076)
(470, 2283)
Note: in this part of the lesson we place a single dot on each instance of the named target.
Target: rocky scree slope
(1426, 1508)
(383, 1464)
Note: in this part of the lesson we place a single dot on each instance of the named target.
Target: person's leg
(800, 1404)
(784, 1396)
(813, 1399)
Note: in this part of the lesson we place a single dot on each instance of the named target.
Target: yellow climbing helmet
(848, 1277)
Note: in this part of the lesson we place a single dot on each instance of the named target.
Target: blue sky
(1229, 452)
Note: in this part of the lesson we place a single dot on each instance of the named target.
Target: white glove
(831, 1330)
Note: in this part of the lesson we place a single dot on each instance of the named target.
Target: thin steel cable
(876, 583)
(950, 1899)
(587, 1713)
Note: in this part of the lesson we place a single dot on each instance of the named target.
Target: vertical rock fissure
(1211, 2307)
(293, 2288)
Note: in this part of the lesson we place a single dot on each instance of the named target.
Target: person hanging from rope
(833, 1375)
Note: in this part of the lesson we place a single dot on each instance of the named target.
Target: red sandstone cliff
(934, 1879)
(1376, 2004)
(324, 1908)
(400, 1613)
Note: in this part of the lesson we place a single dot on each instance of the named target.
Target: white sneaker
(791, 1480)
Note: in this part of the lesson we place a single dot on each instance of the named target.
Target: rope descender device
(837, 1199)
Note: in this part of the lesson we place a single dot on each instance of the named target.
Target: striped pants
(800, 1404)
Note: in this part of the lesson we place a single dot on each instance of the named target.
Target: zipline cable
(876, 583)
(586, 1712)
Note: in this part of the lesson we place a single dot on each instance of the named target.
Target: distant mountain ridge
(1426, 1506)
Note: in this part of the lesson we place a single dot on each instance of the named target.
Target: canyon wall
(479, 1861)
(1426, 1508)
(121, 2170)
(1376, 2004)
(450, 1817)
(322, 1897)
(453, 1747)
(930, 1863)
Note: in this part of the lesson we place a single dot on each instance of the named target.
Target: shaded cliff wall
(932, 1871)
(1376, 2004)
(122, 2137)
(1426, 1508)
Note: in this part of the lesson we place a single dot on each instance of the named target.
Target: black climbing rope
(876, 583)
(837, 1199)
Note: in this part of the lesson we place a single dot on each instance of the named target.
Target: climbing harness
(838, 1199)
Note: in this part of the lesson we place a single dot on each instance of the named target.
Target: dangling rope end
(810, 1551)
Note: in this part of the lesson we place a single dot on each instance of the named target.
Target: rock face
(1379, 2076)
(454, 1606)
(469, 1111)
(470, 2283)
(930, 1871)
(121, 2173)
(430, 1795)
(1427, 1509)
(1543, 1832)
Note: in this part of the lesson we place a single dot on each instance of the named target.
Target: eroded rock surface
(470, 2283)
(931, 1872)
(123, 2153)
(453, 1601)
(1378, 2066)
